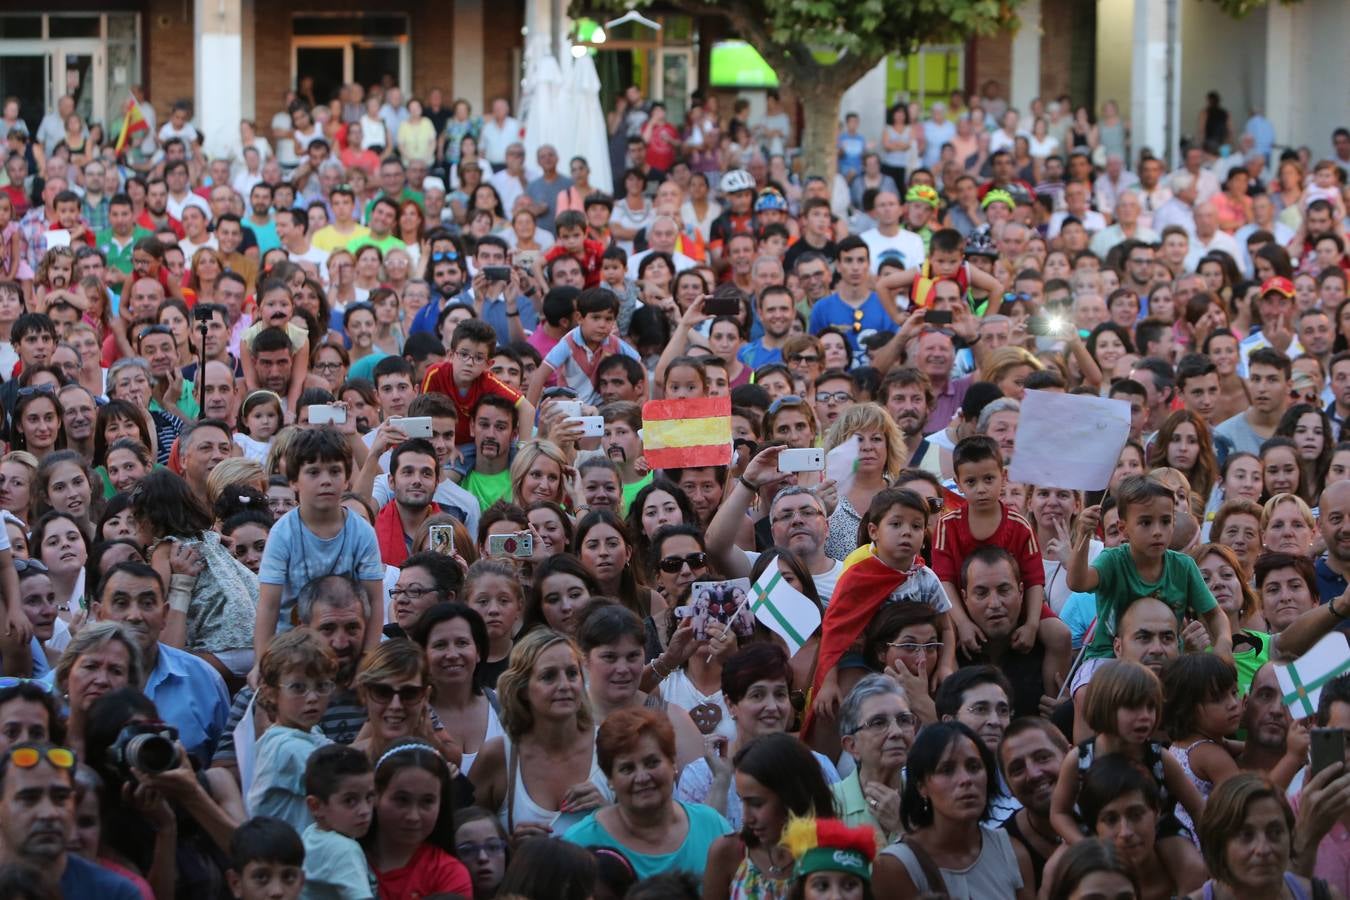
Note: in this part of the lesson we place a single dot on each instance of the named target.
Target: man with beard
(447, 280)
(796, 520)
(219, 391)
(78, 411)
(1029, 759)
(334, 608)
(187, 691)
(623, 446)
(155, 216)
(412, 475)
(1266, 720)
(492, 425)
(993, 595)
(774, 309)
(201, 448)
(37, 821)
(272, 360)
(908, 397)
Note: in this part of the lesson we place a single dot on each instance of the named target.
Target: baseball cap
(1277, 285)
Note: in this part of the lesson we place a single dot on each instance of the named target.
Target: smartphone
(441, 539)
(810, 459)
(327, 414)
(569, 408)
(518, 544)
(591, 426)
(497, 273)
(938, 316)
(1045, 326)
(715, 305)
(413, 426)
(1327, 747)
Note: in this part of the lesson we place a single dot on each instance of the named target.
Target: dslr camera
(151, 747)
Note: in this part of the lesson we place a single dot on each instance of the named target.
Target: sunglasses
(935, 504)
(34, 390)
(672, 565)
(29, 565)
(383, 693)
(444, 255)
(804, 358)
(785, 400)
(26, 756)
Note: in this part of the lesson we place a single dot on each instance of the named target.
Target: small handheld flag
(783, 609)
(1302, 680)
(133, 123)
(677, 434)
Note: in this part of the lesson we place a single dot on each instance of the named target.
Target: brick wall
(990, 57)
(168, 53)
(1057, 23)
(502, 21)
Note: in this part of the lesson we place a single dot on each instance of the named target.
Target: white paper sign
(1068, 440)
(1302, 680)
(57, 237)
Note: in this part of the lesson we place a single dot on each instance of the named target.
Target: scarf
(389, 533)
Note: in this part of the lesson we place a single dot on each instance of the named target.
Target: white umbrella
(543, 88)
(588, 135)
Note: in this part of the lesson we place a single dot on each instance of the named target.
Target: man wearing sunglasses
(37, 819)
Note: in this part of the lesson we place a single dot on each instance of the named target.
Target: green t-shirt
(488, 489)
(630, 491)
(1181, 587)
(386, 243)
(1248, 657)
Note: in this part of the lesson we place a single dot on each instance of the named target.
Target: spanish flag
(677, 434)
(133, 123)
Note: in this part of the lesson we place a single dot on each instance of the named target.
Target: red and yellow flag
(133, 123)
(677, 434)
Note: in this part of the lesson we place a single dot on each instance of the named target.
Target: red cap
(1277, 285)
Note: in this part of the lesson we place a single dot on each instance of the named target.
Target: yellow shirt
(328, 238)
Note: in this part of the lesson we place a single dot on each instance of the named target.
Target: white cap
(433, 183)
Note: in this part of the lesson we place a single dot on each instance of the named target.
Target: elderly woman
(1288, 526)
(756, 683)
(998, 420)
(1246, 835)
(654, 831)
(542, 776)
(879, 457)
(876, 728)
(951, 781)
(103, 657)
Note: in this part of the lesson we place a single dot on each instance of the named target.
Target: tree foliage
(1240, 8)
(853, 35)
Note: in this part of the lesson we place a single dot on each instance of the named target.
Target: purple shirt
(947, 403)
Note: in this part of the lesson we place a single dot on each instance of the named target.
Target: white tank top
(524, 809)
(494, 729)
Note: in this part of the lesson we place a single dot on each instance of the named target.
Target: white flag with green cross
(783, 609)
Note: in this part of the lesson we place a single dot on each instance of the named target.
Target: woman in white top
(456, 642)
(542, 775)
(699, 211)
(901, 145)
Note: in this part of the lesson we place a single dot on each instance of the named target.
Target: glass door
(79, 71)
(27, 75)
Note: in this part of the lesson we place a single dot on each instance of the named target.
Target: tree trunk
(820, 108)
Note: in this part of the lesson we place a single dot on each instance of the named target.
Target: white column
(467, 65)
(218, 69)
(1155, 77)
(1026, 60)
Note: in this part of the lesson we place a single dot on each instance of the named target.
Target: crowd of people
(334, 564)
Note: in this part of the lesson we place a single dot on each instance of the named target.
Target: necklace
(773, 870)
(1052, 838)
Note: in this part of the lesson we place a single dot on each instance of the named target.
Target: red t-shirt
(662, 143)
(954, 542)
(441, 379)
(430, 871)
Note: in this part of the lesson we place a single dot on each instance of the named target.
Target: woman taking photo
(950, 783)
(656, 833)
(879, 458)
(542, 775)
(776, 778)
(456, 642)
(611, 640)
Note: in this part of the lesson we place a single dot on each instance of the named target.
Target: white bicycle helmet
(737, 180)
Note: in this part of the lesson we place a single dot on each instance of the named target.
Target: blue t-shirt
(295, 556)
(854, 323)
(851, 149)
(705, 826)
(85, 879)
(755, 354)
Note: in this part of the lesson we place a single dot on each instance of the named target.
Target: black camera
(151, 747)
(201, 314)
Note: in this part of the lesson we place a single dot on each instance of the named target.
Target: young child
(578, 355)
(1143, 566)
(570, 227)
(978, 464)
(317, 537)
(1123, 704)
(464, 377)
(340, 793)
(259, 420)
(686, 377)
(295, 680)
(13, 260)
(946, 260)
(896, 522)
(1202, 709)
(267, 861)
(245, 533)
(276, 309)
(614, 277)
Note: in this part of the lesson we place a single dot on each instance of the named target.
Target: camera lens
(151, 753)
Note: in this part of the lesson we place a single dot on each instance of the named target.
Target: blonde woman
(1008, 368)
(207, 266)
(540, 471)
(880, 456)
(1288, 526)
(542, 776)
(234, 470)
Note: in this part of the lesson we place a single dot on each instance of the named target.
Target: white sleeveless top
(678, 689)
(494, 729)
(524, 809)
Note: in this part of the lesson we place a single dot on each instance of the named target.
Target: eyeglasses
(327, 366)
(303, 688)
(383, 693)
(492, 847)
(785, 400)
(984, 708)
(466, 357)
(805, 513)
(153, 329)
(833, 397)
(444, 255)
(414, 593)
(10, 681)
(34, 390)
(29, 565)
(880, 724)
(911, 647)
(804, 358)
(27, 756)
(1011, 297)
(674, 564)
